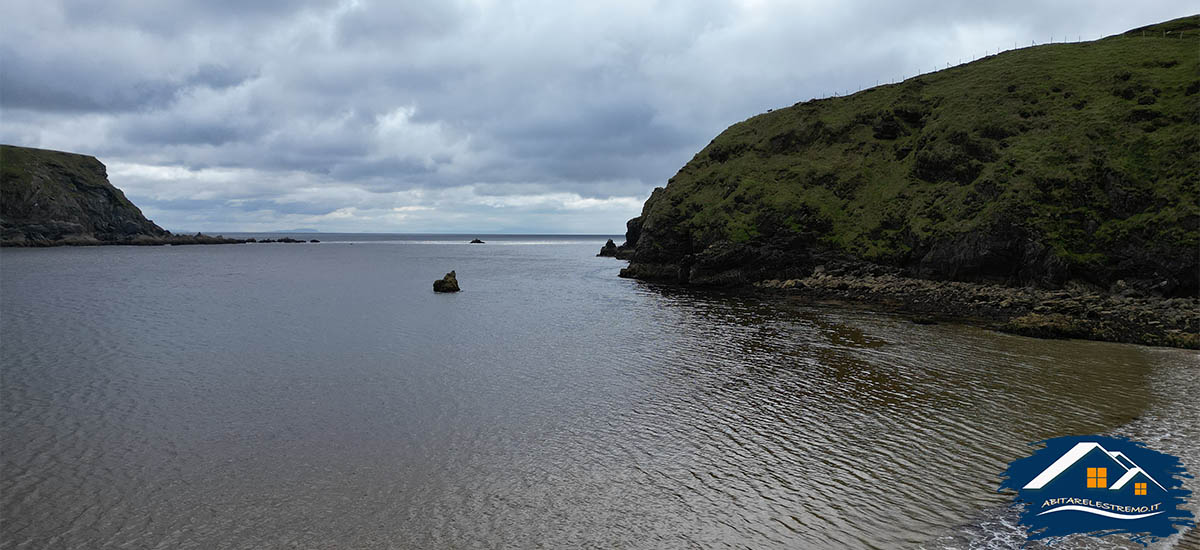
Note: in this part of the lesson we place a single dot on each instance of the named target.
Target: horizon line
(181, 232)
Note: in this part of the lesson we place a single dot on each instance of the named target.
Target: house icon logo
(1099, 485)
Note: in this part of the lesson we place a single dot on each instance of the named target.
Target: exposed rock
(136, 240)
(633, 230)
(449, 283)
(476, 241)
(313, 241)
(1075, 312)
(609, 249)
(51, 198)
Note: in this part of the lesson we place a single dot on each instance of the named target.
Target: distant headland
(54, 198)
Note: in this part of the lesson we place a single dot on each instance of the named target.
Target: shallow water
(321, 395)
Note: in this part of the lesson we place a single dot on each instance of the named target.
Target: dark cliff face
(1049, 164)
(51, 196)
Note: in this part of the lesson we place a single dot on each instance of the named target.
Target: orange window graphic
(1139, 488)
(1097, 478)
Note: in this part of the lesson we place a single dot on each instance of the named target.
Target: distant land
(1042, 188)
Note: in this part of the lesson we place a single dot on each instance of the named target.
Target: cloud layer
(455, 115)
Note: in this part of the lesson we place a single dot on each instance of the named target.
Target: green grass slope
(1038, 165)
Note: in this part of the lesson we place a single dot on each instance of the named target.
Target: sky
(457, 116)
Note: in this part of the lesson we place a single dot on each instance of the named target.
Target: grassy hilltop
(1074, 161)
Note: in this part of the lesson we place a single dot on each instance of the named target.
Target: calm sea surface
(322, 396)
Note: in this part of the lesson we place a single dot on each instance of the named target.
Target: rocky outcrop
(449, 283)
(609, 249)
(51, 198)
(1038, 168)
(1077, 311)
(476, 241)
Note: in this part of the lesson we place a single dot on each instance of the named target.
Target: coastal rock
(633, 230)
(476, 241)
(52, 198)
(609, 249)
(48, 196)
(1075, 312)
(449, 283)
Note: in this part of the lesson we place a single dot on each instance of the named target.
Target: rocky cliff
(52, 198)
(56, 196)
(1036, 167)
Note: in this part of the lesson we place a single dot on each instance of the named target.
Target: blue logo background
(1065, 504)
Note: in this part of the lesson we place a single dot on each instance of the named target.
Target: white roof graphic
(1079, 451)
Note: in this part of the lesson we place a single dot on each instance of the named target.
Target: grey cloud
(173, 17)
(69, 85)
(317, 106)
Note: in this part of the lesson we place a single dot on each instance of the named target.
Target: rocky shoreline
(1127, 313)
(137, 240)
(143, 240)
(1076, 311)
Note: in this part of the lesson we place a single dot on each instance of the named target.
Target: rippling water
(322, 396)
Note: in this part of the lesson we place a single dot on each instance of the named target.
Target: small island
(449, 283)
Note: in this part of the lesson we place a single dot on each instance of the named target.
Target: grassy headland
(53, 198)
(1061, 164)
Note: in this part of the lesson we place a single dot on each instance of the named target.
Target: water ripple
(317, 397)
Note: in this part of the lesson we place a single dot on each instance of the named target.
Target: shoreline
(145, 240)
(1075, 312)
(1135, 310)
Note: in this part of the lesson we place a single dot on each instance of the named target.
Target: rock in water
(609, 249)
(476, 241)
(449, 283)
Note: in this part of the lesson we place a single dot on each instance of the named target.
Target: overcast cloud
(455, 116)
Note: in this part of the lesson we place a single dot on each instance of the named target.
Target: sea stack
(449, 283)
(609, 249)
